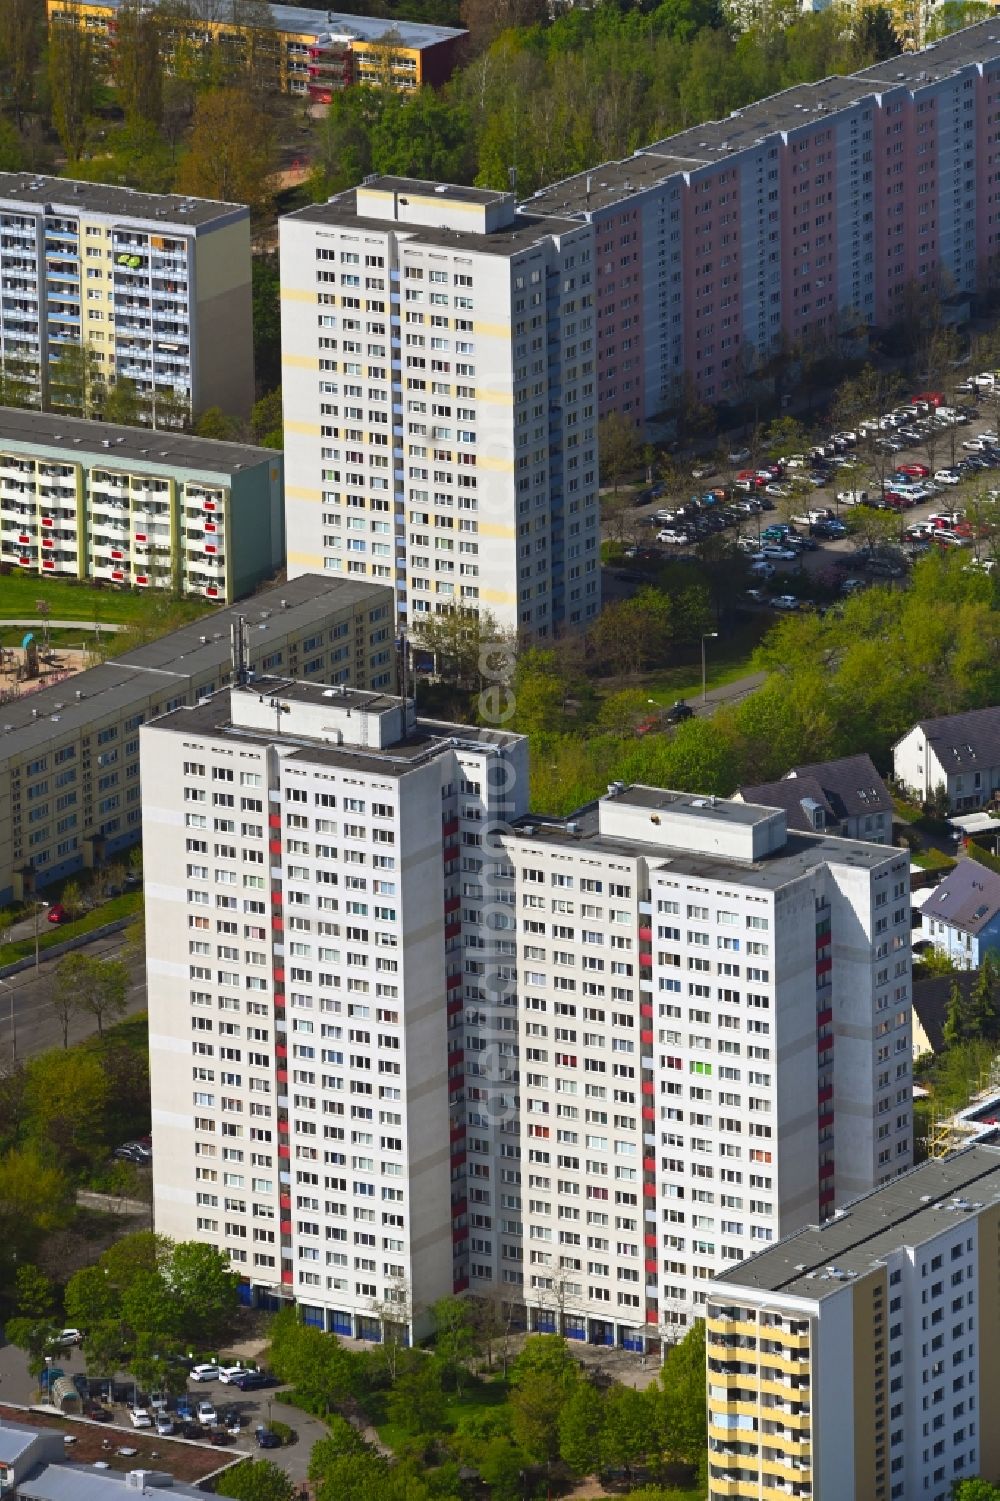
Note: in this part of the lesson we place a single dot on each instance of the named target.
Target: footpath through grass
(727, 659)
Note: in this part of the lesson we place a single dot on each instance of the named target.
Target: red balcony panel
(281, 1050)
(287, 1278)
(457, 1055)
(274, 845)
(648, 1086)
(456, 1133)
(646, 961)
(282, 1076)
(823, 940)
(278, 924)
(452, 929)
(458, 1159)
(119, 577)
(279, 999)
(826, 1196)
(285, 1201)
(824, 1017)
(646, 1009)
(459, 1206)
(279, 976)
(140, 536)
(454, 980)
(824, 965)
(649, 1240)
(284, 1150)
(449, 827)
(450, 852)
(210, 526)
(23, 537)
(646, 935)
(649, 1190)
(274, 820)
(651, 1266)
(48, 563)
(649, 1164)
(826, 1119)
(827, 1170)
(646, 1037)
(457, 1235)
(652, 1316)
(276, 898)
(452, 904)
(286, 1227)
(141, 578)
(47, 521)
(48, 542)
(823, 1044)
(211, 591)
(24, 562)
(826, 1093)
(649, 1112)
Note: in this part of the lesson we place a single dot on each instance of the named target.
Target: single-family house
(961, 917)
(845, 797)
(959, 752)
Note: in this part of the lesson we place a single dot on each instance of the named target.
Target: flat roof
(143, 447)
(67, 195)
(213, 716)
(29, 722)
(15, 1439)
(304, 20)
(69, 1482)
(609, 183)
(697, 805)
(906, 1212)
(524, 230)
(801, 853)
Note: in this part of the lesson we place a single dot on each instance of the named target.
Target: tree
(64, 995)
(137, 62)
(416, 1403)
(341, 1439)
(213, 423)
(231, 151)
(456, 1336)
(682, 1408)
(266, 421)
(66, 1097)
(21, 32)
(956, 1020)
(628, 1430)
(34, 1296)
(542, 1379)
(201, 1281)
(76, 382)
(501, 1466)
(618, 448)
(101, 986)
(975, 1490)
(35, 1198)
(256, 1480)
(123, 404)
(73, 84)
(322, 1372)
(580, 1428)
(983, 998)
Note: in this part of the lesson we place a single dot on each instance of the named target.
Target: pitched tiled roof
(852, 785)
(968, 898)
(790, 794)
(930, 1002)
(963, 742)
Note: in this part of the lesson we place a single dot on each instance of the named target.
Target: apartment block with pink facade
(791, 221)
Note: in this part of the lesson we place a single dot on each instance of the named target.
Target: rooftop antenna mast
(239, 635)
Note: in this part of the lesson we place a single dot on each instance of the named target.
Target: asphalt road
(28, 1021)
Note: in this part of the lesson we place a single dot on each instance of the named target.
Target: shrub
(281, 1430)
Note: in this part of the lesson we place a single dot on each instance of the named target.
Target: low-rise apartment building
(334, 1091)
(69, 753)
(90, 500)
(715, 1047)
(155, 287)
(859, 1360)
(310, 53)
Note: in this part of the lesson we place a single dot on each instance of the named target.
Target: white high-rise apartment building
(715, 1047)
(326, 1105)
(439, 377)
(156, 286)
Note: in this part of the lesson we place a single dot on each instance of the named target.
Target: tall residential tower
(440, 402)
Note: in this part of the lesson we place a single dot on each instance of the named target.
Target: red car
(932, 398)
(918, 471)
(57, 913)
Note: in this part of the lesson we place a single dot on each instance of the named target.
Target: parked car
(231, 1373)
(57, 913)
(96, 1413)
(207, 1415)
(266, 1439)
(785, 602)
(678, 711)
(703, 471)
(140, 1417)
(68, 1337)
(185, 1409)
(853, 497)
(739, 455)
(252, 1381)
(164, 1424)
(219, 1437)
(782, 554)
(947, 477)
(205, 1372)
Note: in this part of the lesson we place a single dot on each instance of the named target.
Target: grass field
(726, 660)
(129, 904)
(67, 600)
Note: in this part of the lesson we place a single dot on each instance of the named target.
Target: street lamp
(38, 906)
(13, 1026)
(708, 636)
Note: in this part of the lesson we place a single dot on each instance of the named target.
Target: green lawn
(68, 600)
(726, 660)
(129, 904)
(933, 859)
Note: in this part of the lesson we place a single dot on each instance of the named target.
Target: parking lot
(741, 499)
(255, 1408)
